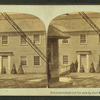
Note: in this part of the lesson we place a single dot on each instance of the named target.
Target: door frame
(79, 53)
(9, 64)
(6, 67)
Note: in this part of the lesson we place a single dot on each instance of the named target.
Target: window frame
(26, 60)
(80, 38)
(65, 61)
(21, 41)
(39, 42)
(39, 60)
(7, 39)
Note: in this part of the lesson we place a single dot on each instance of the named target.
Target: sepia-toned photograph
(22, 51)
(74, 51)
(49, 50)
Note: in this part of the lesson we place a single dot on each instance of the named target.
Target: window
(23, 40)
(4, 39)
(36, 60)
(82, 38)
(65, 59)
(65, 41)
(23, 60)
(36, 38)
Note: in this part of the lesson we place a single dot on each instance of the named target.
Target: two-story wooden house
(15, 50)
(84, 42)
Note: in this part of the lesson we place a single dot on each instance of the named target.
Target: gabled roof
(24, 21)
(75, 22)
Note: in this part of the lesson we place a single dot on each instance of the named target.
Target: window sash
(4, 39)
(65, 59)
(23, 40)
(36, 60)
(36, 38)
(23, 60)
(82, 38)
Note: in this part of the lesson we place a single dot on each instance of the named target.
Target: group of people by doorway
(74, 68)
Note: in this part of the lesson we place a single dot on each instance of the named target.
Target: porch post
(78, 59)
(9, 65)
(0, 64)
(87, 60)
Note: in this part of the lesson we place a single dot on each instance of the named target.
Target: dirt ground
(23, 81)
(79, 80)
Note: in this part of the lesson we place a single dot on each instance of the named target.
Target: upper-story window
(82, 38)
(36, 38)
(4, 39)
(23, 42)
(65, 41)
(36, 60)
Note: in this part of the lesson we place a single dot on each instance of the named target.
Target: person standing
(92, 70)
(72, 67)
(76, 65)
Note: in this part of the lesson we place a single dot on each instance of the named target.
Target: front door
(5, 62)
(83, 61)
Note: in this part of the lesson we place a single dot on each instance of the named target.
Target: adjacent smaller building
(54, 34)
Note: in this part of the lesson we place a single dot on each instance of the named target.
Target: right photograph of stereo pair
(74, 51)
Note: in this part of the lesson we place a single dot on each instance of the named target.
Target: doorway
(5, 63)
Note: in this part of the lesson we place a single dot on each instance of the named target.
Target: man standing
(76, 65)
